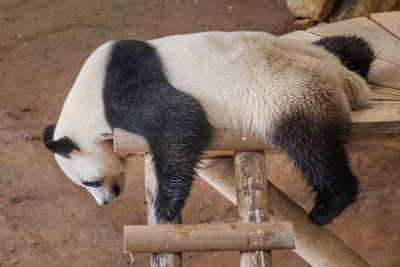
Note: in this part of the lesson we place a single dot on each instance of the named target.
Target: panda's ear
(62, 146)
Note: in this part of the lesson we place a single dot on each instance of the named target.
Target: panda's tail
(354, 52)
(357, 55)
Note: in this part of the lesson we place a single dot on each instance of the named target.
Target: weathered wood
(157, 260)
(208, 237)
(301, 36)
(388, 21)
(384, 135)
(316, 245)
(385, 44)
(252, 199)
(385, 74)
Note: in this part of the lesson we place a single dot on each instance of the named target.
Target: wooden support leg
(252, 199)
(316, 245)
(157, 260)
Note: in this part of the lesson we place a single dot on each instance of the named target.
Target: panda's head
(92, 165)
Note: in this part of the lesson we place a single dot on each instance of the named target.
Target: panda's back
(247, 80)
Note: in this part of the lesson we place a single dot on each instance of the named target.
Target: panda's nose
(104, 203)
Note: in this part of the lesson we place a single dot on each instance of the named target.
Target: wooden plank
(252, 200)
(389, 21)
(316, 245)
(381, 92)
(301, 36)
(208, 237)
(379, 112)
(157, 260)
(384, 135)
(382, 72)
(386, 46)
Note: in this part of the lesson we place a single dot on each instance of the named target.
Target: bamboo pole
(208, 237)
(316, 245)
(252, 199)
(157, 260)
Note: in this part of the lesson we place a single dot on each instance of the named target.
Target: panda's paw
(167, 208)
(319, 215)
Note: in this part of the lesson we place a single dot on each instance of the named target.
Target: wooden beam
(157, 260)
(208, 237)
(316, 245)
(252, 200)
(127, 144)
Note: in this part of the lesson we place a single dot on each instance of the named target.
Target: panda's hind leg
(317, 150)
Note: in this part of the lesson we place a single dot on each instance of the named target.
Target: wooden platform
(375, 127)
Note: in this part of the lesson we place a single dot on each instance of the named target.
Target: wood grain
(252, 199)
(316, 245)
(384, 135)
(389, 21)
(208, 237)
(386, 46)
(157, 260)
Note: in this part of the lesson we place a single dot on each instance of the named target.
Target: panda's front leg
(177, 133)
(175, 156)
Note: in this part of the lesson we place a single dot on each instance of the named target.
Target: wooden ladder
(254, 236)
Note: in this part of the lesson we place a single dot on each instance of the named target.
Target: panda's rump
(247, 81)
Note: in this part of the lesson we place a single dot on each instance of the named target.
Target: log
(208, 237)
(157, 260)
(252, 199)
(129, 145)
(316, 245)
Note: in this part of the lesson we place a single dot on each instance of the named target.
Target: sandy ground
(46, 220)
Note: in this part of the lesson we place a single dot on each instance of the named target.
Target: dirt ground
(46, 220)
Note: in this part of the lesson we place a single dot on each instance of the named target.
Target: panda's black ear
(62, 146)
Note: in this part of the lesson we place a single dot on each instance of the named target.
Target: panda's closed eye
(92, 183)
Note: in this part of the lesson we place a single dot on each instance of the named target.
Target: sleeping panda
(174, 90)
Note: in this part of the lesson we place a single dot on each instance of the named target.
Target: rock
(303, 24)
(362, 8)
(313, 9)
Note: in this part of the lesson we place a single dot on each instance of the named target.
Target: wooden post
(252, 199)
(208, 237)
(316, 245)
(157, 260)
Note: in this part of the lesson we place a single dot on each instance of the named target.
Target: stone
(313, 9)
(303, 24)
(362, 8)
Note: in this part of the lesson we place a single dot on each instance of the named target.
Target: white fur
(82, 120)
(248, 80)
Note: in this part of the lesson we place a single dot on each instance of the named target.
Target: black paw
(330, 205)
(320, 214)
(167, 208)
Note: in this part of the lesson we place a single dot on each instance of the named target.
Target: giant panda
(174, 90)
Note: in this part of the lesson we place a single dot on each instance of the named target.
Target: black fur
(92, 183)
(139, 99)
(354, 52)
(317, 150)
(63, 146)
(116, 190)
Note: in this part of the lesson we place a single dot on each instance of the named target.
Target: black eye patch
(92, 183)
